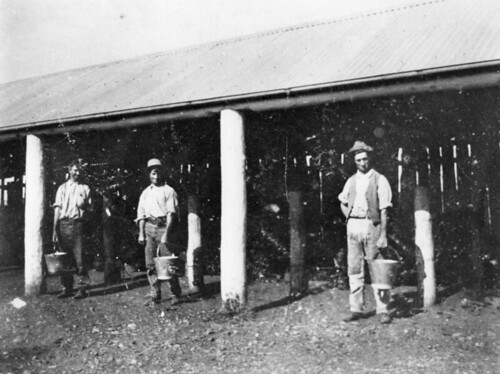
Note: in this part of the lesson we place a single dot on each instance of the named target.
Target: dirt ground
(112, 331)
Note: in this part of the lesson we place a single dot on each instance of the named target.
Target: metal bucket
(168, 267)
(383, 272)
(57, 263)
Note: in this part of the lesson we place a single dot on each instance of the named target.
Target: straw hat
(154, 163)
(360, 146)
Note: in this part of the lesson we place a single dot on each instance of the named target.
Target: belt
(357, 217)
(70, 219)
(158, 221)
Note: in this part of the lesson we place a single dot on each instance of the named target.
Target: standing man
(364, 202)
(155, 214)
(71, 208)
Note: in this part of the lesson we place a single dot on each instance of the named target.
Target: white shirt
(157, 201)
(73, 199)
(360, 205)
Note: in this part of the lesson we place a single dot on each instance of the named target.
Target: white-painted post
(194, 247)
(34, 211)
(424, 242)
(233, 211)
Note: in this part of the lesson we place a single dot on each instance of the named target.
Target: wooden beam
(275, 100)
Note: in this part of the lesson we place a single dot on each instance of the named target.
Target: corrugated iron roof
(412, 38)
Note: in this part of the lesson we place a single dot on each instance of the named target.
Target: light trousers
(362, 236)
(154, 234)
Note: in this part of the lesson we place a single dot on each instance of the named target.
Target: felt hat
(360, 146)
(154, 163)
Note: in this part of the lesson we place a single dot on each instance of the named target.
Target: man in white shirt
(156, 212)
(364, 202)
(71, 208)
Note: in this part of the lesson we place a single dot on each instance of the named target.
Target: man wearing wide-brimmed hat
(156, 214)
(364, 201)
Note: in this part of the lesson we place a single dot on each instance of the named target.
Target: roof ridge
(358, 15)
(362, 14)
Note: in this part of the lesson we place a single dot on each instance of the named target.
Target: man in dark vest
(364, 202)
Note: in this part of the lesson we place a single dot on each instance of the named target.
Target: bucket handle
(56, 248)
(158, 251)
(393, 250)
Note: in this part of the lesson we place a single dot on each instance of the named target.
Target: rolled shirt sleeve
(141, 212)
(58, 202)
(86, 196)
(171, 205)
(384, 193)
(344, 195)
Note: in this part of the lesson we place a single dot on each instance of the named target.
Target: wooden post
(425, 244)
(34, 211)
(478, 219)
(298, 279)
(194, 263)
(233, 211)
(112, 273)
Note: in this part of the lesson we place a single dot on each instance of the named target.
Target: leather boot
(354, 316)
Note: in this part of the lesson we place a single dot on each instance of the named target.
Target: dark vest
(373, 212)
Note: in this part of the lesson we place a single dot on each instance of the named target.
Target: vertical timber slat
(455, 166)
(400, 170)
(441, 178)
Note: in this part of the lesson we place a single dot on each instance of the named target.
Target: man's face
(362, 161)
(155, 176)
(74, 173)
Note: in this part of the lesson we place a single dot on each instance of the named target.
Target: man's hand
(382, 241)
(164, 238)
(345, 210)
(55, 239)
(163, 249)
(142, 225)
